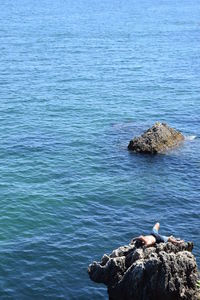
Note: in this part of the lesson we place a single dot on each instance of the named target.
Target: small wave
(190, 137)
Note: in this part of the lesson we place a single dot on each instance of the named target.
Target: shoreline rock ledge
(162, 272)
(157, 139)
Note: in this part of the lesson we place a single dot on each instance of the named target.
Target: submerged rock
(162, 272)
(158, 139)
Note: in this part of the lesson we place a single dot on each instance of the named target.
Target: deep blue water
(79, 79)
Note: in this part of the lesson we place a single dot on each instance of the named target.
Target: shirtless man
(155, 237)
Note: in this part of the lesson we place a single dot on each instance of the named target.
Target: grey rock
(162, 272)
(158, 139)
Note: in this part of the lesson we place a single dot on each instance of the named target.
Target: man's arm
(174, 241)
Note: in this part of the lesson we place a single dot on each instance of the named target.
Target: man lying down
(155, 237)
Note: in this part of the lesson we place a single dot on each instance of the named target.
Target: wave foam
(191, 137)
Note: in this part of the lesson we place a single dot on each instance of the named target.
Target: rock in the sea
(162, 272)
(158, 139)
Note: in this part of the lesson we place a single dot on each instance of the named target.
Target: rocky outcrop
(158, 139)
(162, 272)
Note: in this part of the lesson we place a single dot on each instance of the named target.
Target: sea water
(79, 79)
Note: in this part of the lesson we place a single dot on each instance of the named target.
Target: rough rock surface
(158, 139)
(162, 272)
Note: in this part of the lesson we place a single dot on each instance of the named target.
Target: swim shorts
(159, 238)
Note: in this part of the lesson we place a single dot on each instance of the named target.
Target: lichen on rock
(157, 139)
(162, 272)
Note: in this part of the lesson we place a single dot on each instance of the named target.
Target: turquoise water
(78, 80)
